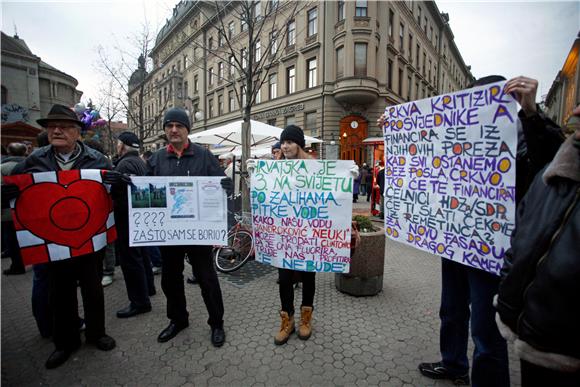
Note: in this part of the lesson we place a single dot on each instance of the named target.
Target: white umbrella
(237, 151)
(231, 135)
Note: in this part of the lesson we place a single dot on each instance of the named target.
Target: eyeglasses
(53, 126)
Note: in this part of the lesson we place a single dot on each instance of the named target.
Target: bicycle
(240, 245)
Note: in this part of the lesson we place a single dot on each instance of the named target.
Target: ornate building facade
(339, 65)
(29, 89)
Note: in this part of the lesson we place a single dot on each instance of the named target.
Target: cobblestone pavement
(375, 340)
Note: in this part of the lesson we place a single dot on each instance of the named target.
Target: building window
(417, 91)
(425, 25)
(258, 98)
(290, 120)
(210, 81)
(273, 4)
(312, 22)
(429, 75)
(340, 10)
(220, 39)
(220, 104)
(272, 87)
(243, 24)
(291, 37)
(185, 89)
(391, 21)
(257, 9)
(419, 16)
(310, 123)
(409, 84)
(390, 74)
(231, 29)
(258, 51)
(360, 59)
(195, 84)
(210, 107)
(210, 43)
(340, 62)
(271, 122)
(273, 42)
(220, 71)
(195, 53)
(232, 66)
(244, 58)
(410, 45)
(244, 96)
(430, 33)
(402, 37)
(231, 101)
(290, 80)
(311, 66)
(360, 8)
(401, 82)
(417, 53)
(424, 62)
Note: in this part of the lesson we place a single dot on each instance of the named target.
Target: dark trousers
(11, 246)
(154, 255)
(287, 278)
(40, 299)
(203, 268)
(463, 286)
(64, 276)
(536, 376)
(137, 272)
(369, 191)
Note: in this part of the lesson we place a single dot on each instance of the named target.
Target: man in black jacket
(184, 158)
(467, 293)
(135, 265)
(66, 152)
(537, 302)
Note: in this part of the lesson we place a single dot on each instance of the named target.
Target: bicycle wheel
(233, 256)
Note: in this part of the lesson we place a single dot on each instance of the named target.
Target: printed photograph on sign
(140, 196)
(158, 195)
(450, 174)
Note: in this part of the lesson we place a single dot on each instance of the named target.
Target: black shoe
(218, 337)
(59, 357)
(104, 343)
(438, 371)
(171, 331)
(12, 271)
(131, 311)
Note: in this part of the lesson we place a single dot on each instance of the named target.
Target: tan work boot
(286, 328)
(305, 329)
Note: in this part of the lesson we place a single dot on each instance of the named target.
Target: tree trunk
(246, 142)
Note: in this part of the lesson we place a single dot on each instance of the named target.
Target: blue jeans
(463, 286)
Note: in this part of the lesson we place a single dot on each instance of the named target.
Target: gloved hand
(251, 165)
(227, 185)
(354, 171)
(115, 177)
(9, 192)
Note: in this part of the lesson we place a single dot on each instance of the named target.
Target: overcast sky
(508, 38)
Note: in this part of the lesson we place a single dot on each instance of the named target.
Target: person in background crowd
(356, 188)
(135, 265)
(152, 251)
(292, 146)
(537, 304)
(276, 152)
(184, 158)
(467, 293)
(66, 152)
(16, 153)
(110, 257)
(29, 146)
(364, 174)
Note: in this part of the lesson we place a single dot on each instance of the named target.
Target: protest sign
(60, 215)
(302, 213)
(177, 210)
(450, 175)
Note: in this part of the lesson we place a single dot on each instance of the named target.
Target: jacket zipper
(552, 240)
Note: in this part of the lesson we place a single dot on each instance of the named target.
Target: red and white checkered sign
(60, 215)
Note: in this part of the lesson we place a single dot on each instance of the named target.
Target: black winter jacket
(131, 164)
(195, 161)
(539, 296)
(44, 160)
